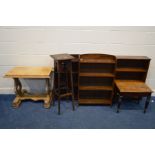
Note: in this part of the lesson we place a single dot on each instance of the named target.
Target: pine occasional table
(18, 73)
(130, 88)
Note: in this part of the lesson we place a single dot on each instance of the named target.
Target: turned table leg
(18, 92)
(147, 102)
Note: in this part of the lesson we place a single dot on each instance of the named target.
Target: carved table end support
(16, 103)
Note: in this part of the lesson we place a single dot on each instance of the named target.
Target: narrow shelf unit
(96, 78)
(132, 68)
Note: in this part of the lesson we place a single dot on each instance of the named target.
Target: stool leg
(72, 89)
(58, 105)
(67, 84)
(119, 103)
(58, 89)
(53, 83)
(147, 102)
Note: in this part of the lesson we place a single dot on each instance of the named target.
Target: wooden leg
(22, 95)
(113, 100)
(72, 89)
(18, 92)
(67, 88)
(147, 102)
(58, 105)
(54, 88)
(73, 106)
(119, 103)
(16, 103)
(59, 94)
(47, 101)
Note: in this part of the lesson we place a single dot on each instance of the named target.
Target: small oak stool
(31, 73)
(63, 80)
(131, 88)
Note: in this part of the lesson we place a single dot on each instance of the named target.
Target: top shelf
(108, 61)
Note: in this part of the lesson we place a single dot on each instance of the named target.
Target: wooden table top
(29, 72)
(62, 57)
(131, 86)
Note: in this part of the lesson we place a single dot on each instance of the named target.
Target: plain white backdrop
(77, 13)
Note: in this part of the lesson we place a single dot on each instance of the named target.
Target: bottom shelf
(95, 101)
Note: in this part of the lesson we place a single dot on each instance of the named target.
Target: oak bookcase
(96, 78)
(132, 67)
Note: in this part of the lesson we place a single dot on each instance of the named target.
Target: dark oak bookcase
(96, 78)
(132, 67)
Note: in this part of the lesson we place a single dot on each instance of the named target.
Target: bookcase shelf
(95, 101)
(95, 88)
(131, 69)
(97, 74)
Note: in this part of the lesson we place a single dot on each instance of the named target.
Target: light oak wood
(46, 98)
(29, 72)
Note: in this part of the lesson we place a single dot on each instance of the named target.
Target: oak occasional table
(31, 73)
(130, 88)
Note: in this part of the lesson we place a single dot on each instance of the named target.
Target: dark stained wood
(94, 69)
(127, 86)
(131, 70)
(63, 77)
(75, 73)
(95, 101)
(130, 88)
(61, 57)
(96, 88)
(126, 57)
(97, 74)
(96, 61)
(132, 67)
